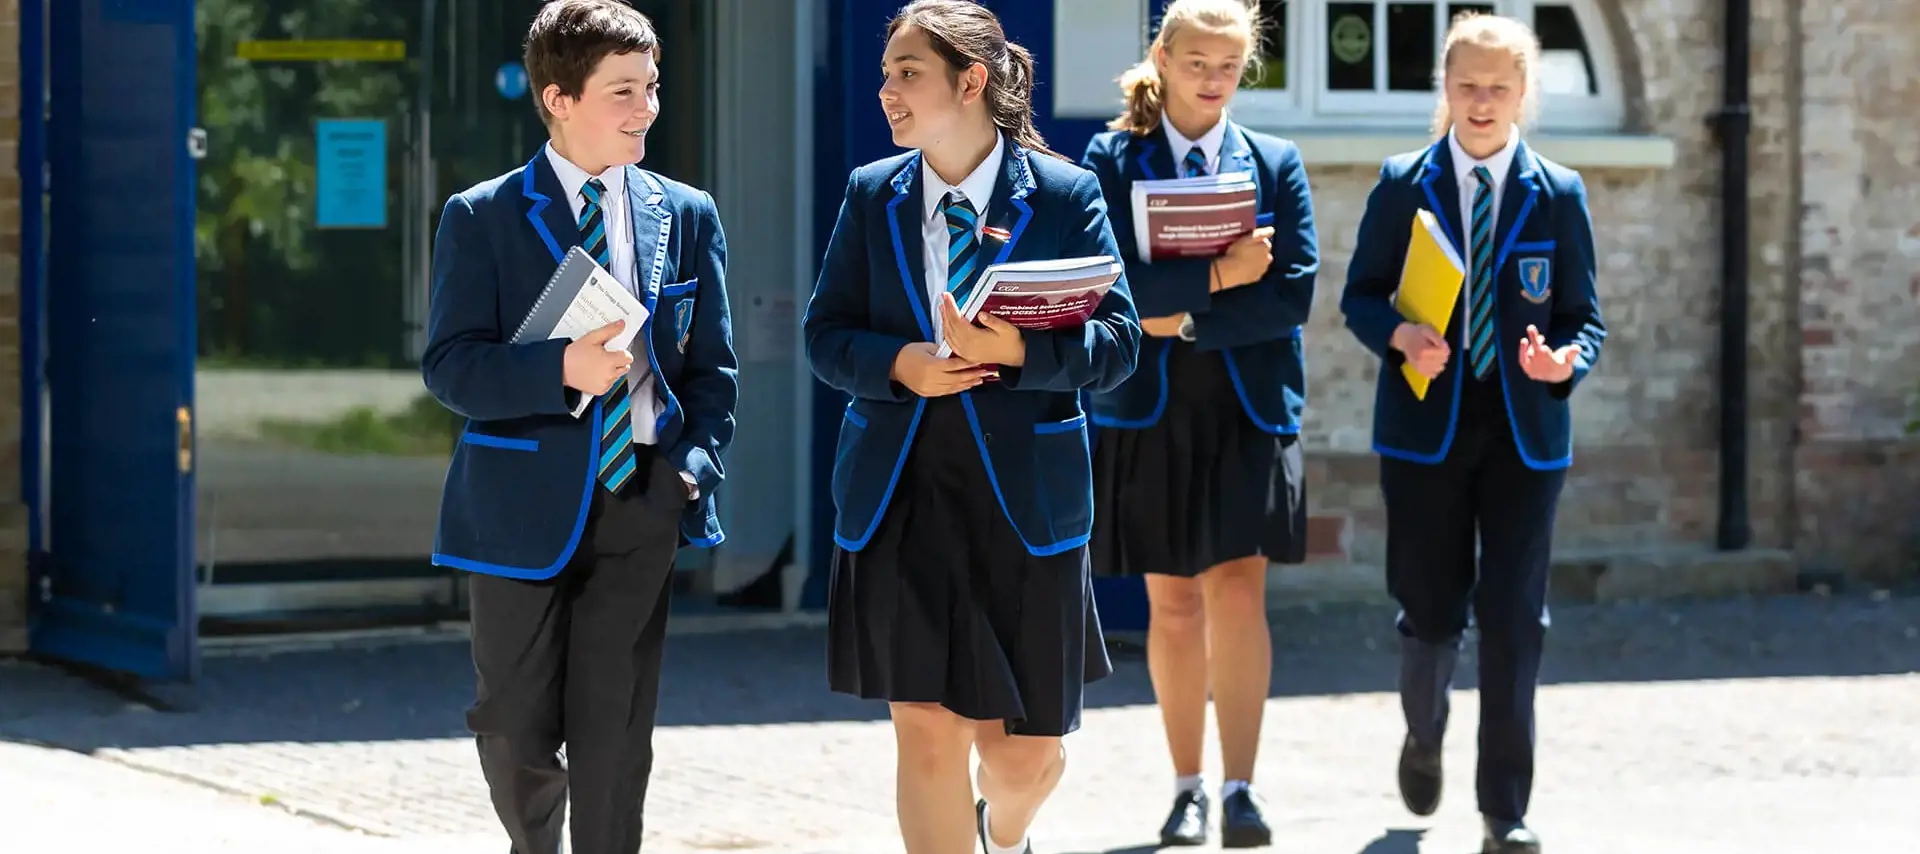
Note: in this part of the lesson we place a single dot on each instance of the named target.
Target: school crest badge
(683, 322)
(1536, 279)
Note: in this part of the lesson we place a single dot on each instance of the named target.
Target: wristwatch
(1186, 328)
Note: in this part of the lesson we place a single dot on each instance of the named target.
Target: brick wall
(13, 523)
(1857, 476)
(1832, 99)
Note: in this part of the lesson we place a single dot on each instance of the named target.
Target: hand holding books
(1245, 261)
(928, 374)
(992, 341)
(592, 368)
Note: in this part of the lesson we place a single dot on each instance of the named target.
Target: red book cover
(1193, 217)
(1041, 294)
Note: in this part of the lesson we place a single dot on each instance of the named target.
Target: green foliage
(423, 429)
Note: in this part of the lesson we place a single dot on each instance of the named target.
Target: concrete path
(1776, 725)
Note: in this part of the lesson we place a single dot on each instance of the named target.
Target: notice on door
(350, 173)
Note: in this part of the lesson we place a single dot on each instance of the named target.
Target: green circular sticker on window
(1350, 39)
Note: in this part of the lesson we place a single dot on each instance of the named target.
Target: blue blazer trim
(1256, 328)
(1543, 222)
(871, 300)
(517, 496)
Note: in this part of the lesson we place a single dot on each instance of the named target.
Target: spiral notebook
(580, 297)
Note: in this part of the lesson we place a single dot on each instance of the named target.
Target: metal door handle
(185, 417)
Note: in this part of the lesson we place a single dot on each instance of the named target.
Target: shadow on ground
(420, 690)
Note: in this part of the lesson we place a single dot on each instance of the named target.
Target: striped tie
(963, 246)
(616, 432)
(1195, 164)
(1480, 343)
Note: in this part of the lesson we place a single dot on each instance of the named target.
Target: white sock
(986, 826)
(1232, 786)
(1188, 783)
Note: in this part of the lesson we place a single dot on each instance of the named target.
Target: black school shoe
(1420, 777)
(1243, 821)
(980, 821)
(1187, 823)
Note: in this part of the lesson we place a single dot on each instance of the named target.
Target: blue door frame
(108, 333)
(849, 132)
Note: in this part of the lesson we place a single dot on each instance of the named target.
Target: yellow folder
(1430, 284)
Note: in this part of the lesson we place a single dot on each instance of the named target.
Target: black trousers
(1435, 513)
(575, 660)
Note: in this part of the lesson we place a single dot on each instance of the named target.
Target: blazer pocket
(487, 441)
(678, 288)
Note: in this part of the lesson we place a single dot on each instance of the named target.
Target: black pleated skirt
(945, 605)
(1200, 487)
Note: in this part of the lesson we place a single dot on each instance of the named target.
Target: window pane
(1566, 64)
(1350, 46)
(1411, 42)
(1455, 10)
(1273, 46)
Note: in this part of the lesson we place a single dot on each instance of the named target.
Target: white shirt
(1209, 143)
(977, 188)
(618, 218)
(1469, 186)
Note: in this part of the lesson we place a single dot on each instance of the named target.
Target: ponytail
(1143, 91)
(1011, 102)
(965, 33)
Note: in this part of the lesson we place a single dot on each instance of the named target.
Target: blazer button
(986, 438)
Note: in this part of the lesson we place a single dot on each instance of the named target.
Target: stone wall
(1826, 401)
(13, 516)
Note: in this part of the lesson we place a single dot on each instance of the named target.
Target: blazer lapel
(1443, 194)
(1236, 155)
(546, 206)
(1008, 212)
(1152, 156)
(652, 226)
(909, 246)
(1517, 198)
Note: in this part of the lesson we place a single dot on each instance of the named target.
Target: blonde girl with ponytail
(1199, 479)
(959, 591)
(1471, 473)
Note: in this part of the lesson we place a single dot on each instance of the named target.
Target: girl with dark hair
(960, 589)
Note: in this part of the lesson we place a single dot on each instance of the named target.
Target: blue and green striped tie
(963, 246)
(616, 430)
(1195, 164)
(1481, 346)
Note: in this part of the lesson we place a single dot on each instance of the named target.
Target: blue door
(112, 583)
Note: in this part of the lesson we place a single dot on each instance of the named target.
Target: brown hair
(1492, 32)
(569, 38)
(1144, 90)
(963, 33)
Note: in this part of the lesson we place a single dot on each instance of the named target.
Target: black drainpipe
(1734, 120)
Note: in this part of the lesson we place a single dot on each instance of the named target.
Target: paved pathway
(1775, 725)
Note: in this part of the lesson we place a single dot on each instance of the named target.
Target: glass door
(320, 454)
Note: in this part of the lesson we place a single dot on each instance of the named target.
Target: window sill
(1579, 151)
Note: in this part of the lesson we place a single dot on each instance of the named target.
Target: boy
(581, 471)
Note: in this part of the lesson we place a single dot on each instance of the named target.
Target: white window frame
(1306, 103)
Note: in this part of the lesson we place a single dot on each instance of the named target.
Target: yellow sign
(314, 51)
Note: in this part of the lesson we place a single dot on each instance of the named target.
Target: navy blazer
(521, 479)
(1255, 327)
(1544, 268)
(871, 300)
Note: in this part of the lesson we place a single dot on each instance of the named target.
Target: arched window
(1359, 64)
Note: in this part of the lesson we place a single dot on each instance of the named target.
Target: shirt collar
(1209, 142)
(1498, 163)
(977, 186)
(572, 177)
